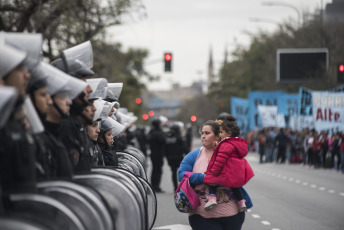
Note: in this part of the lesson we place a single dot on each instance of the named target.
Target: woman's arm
(187, 166)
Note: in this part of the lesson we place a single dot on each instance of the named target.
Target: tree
(254, 68)
(65, 23)
(201, 107)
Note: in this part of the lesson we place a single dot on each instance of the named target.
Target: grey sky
(188, 28)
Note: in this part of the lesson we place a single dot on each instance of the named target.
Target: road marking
(174, 227)
(313, 186)
(255, 216)
(297, 182)
(275, 229)
(266, 222)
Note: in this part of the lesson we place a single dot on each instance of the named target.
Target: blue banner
(305, 102)
(288, 106)
(256, 98)
(239, 109)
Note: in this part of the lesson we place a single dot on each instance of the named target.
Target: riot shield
(90, 195)
(17, 223)
(86, 213)
(125, 158)
(151, 201)
(123, 206)
(135, 187)
(44, 210)
(136, 153)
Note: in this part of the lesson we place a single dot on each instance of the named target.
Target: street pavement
(285, 197)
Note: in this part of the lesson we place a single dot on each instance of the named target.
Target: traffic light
(168, 62)
(340, 72)
(138, 101)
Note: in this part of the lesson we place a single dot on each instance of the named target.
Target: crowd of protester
(307, 147)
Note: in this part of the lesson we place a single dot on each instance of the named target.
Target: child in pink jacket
(227, 166)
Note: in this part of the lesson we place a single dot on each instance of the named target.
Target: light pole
(286, 5)
(267, 20)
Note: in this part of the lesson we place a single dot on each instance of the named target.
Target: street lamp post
(286, 5)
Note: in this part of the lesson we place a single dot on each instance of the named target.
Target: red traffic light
(145, 117)
(168, 57)
(138, 100)
(341, 68)
(151, 113)
(193, 118)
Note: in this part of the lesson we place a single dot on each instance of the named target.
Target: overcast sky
(190, 28)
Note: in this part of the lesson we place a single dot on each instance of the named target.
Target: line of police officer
(59, 168)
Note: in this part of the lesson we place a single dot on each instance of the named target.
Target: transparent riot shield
(86, 213)
(123, 206)
(136, 153)
(125, 158)
(44, 210)
(135, 187)
(90, 195)
(151, 201)
(17, 223)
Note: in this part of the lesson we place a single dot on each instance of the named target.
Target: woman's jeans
(235, 222)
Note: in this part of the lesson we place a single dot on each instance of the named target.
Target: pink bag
(185, 198)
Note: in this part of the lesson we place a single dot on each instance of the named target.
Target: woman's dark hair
(214, 126)
(229, 125)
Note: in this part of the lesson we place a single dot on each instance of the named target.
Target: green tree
(65, 23)
(254, 67)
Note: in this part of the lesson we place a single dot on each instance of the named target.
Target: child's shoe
(211, 203)
(242, 206)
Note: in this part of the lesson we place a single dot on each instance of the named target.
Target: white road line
(313, 186)
(342, 194)
(331, 191)
(322, 188)
(291, 179)
(275, 229)
(255, 216)
(305, 183)
(266, 222)
(297, 181)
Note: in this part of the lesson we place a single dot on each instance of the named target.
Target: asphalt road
(285, 197)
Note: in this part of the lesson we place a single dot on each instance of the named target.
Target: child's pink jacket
(228, 166)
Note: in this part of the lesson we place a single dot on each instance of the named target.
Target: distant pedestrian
(157, 143)
(281, 143)
(174, 151)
